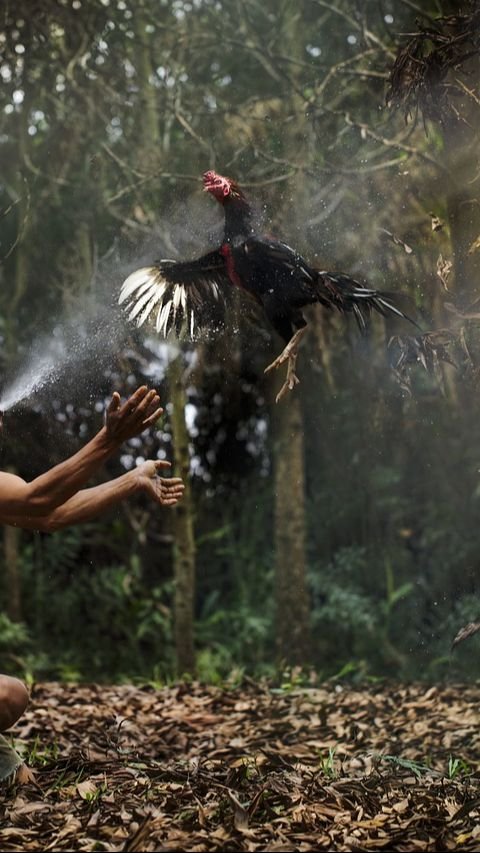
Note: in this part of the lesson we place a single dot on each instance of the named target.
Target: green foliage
(93, 621)
(327, 764)
(103, 140)
(40, 754)
(457, 767)
(348, 613)
(293, 678)
(13, 635)
(396, 761)
(15, 647)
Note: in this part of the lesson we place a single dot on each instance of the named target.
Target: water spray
(31, 380)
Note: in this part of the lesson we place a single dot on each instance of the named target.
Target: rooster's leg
(291, 380)
(290, 352)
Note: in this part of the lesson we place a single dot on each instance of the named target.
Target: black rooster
(277, 277)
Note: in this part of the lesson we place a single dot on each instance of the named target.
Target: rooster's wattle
(278, 277)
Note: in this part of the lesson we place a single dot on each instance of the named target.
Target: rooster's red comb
(217, 184)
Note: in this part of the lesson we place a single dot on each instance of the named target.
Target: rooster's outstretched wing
(178, 295)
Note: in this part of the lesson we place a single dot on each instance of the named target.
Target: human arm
(48, 491)
(88, 504)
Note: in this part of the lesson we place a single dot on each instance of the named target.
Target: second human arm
(42, 495)
(88, 504)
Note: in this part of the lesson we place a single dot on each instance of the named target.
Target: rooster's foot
(289, 352)
(289, 384)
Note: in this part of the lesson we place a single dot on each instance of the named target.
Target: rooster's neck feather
(238, 219)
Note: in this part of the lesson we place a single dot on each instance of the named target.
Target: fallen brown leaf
(464, 633)
(200, 768)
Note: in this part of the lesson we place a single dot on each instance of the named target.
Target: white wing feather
(177, 296)
(147, 310)
(149, 288)
(162, 322)
(136, 279)
(140, 304)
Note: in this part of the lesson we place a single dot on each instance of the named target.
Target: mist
(364, 479)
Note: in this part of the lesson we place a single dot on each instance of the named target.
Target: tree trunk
(461, 150)
(149, 131)
(292, 601)
(460, 137)
(24, 215)
(11, 536)
(184, 555)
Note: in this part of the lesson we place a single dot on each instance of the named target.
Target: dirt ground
(195, 768)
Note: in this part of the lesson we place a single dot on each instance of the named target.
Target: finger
(136, 398)
(162, 463)
(172, 493)
(151, 408)
(152, 418)
(139, 394)
(148, 401)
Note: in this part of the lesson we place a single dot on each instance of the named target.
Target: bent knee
(13, 700)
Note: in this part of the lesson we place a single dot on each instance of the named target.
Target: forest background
(335, 533)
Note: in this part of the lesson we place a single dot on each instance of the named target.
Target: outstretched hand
(130, 419)
(166, 491)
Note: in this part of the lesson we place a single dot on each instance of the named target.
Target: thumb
(162, 463)
(114, 404)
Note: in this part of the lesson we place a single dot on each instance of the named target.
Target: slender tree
(184, 548)
(436, 73)
(11, 541)
(292, 602)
